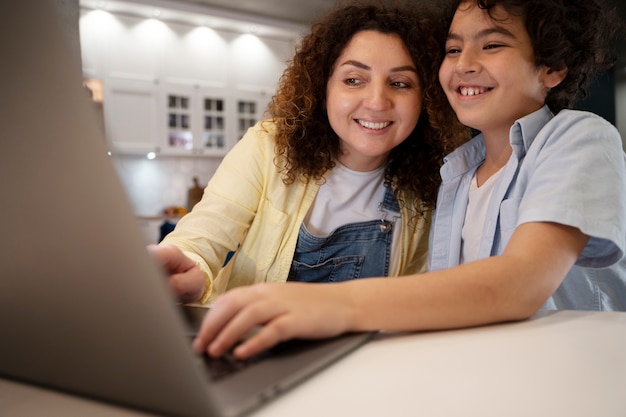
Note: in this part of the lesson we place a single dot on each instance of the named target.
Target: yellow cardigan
(248, 209)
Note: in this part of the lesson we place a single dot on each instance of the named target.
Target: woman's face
(373, 98)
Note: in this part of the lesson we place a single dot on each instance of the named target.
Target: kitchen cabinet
(131, 115)
(207, 121)
(195, 119)
(248, 112)
(183, 118)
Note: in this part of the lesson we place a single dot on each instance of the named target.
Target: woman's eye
(451, 51)
(400, 84)
(351, 81)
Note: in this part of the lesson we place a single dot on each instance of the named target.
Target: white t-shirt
(478, 201)
(350, 196)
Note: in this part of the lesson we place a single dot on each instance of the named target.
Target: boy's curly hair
(307, 146)
(572, 34)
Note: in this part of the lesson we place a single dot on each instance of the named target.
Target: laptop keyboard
(227, 364)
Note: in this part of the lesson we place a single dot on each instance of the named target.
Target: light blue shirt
(568, 169)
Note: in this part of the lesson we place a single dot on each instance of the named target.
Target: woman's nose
(377, 97)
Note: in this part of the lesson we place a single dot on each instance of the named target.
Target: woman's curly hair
(307, 146)
(572, 34)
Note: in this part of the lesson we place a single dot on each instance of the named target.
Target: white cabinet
(249, 109)
(178, 118)
(204, 120)
(195, 120)
(131, 114)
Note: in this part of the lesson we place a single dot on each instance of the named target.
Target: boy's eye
(492, 46)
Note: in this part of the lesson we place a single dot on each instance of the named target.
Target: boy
(554, 184)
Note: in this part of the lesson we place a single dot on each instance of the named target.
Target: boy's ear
(553, 77)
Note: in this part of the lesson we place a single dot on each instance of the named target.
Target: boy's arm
(511, 286)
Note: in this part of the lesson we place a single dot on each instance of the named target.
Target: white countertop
(561, 364)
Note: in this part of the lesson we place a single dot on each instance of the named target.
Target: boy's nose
(467, 63)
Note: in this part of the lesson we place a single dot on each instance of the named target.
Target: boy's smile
(488, 73)
(472, 91)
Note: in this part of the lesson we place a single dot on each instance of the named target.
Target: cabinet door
(214, 136)
(180, 118)
(196, 120)
(249, 110)
(131, 115)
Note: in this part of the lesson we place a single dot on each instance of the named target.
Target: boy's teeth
(374, 126)
(471, 91)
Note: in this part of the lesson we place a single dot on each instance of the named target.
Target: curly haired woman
(340, 181)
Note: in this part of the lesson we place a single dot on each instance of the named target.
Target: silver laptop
(83, 308)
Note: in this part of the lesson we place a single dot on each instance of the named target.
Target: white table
(561, 364)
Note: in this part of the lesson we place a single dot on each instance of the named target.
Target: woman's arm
(217, 224)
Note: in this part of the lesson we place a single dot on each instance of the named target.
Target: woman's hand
(185, 279)
(283, 311)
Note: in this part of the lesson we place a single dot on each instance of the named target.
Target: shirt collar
(471, 154)
(464, 158)
(525, 129)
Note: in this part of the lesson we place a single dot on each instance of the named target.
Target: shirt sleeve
(219, 222)
(577, 176)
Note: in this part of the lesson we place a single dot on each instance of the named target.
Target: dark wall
(601, 98)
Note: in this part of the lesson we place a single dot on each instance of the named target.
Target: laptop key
(227, 364)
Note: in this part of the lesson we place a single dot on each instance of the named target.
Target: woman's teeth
(372, 125)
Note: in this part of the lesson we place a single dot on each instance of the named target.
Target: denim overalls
(354, 250)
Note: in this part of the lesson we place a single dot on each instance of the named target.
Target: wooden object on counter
(194, 195)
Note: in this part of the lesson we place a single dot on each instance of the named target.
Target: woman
(339, 182)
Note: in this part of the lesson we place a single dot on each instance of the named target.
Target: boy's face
(488, 73)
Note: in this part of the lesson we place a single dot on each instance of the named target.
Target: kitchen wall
(155, 184)
(120, 44)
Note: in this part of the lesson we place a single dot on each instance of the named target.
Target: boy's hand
(284, 311)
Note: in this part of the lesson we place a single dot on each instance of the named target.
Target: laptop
(83, 307)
